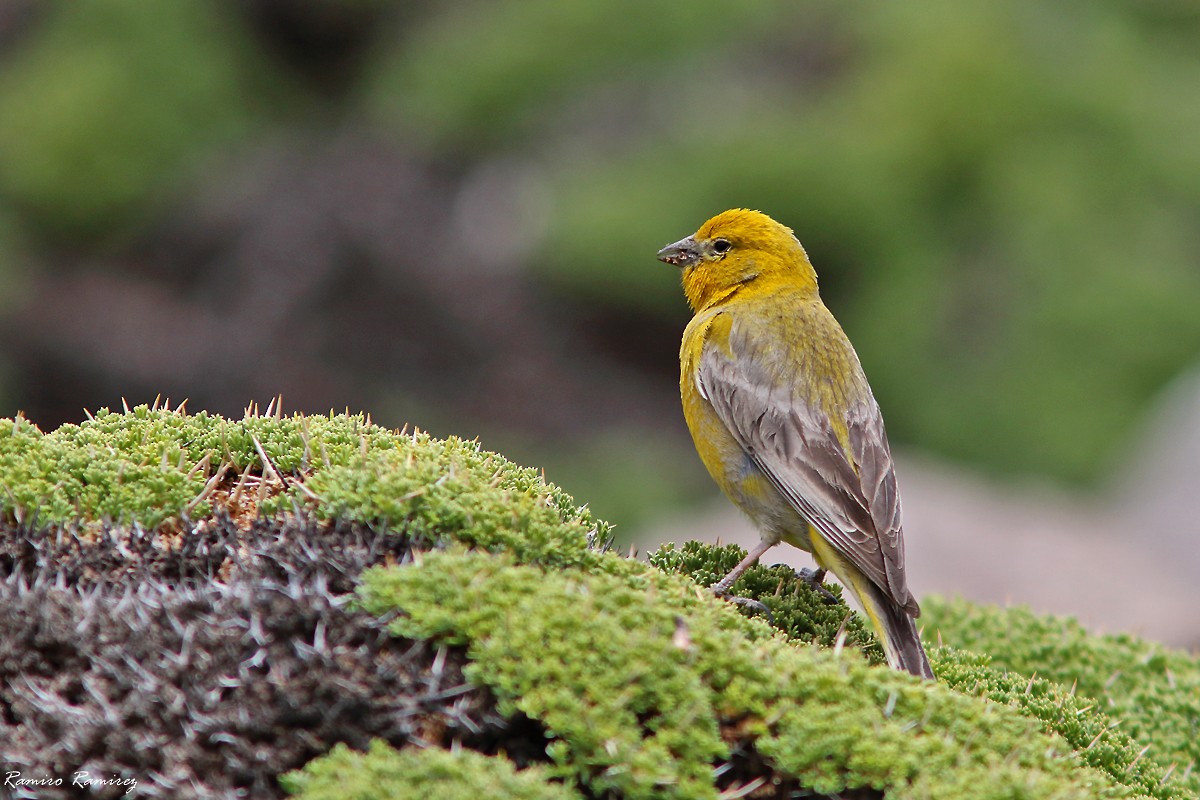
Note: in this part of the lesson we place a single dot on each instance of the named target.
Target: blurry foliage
(13, 269)
(1001, 200)
(1001, 203)
(484, 74)
(104, 106)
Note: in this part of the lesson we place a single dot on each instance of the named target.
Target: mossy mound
(149, 466)
(422, 773)
(177, 593)
(653, 689)
(793, 606)
(1153, 692)
(192, 611)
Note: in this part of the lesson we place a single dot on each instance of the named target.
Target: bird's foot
(752, 604)
(815, 578)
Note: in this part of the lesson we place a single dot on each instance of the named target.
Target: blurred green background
(447, 213)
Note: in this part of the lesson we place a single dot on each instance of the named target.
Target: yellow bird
(784, 420)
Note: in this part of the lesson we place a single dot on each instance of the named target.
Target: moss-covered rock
(651, 688)
(155, 554)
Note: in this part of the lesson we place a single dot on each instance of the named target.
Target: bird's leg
(721, 587)
(815, 578)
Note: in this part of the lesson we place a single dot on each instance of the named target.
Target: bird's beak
(683, 253)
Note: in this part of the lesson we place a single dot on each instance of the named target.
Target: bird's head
(733, 249)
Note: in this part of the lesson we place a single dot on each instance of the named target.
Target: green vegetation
(419, 774)
(1080, 686)
(645, 685)
(152, 464)
(112, 105)
(792, 606)
(1153, 691)
(642, 679)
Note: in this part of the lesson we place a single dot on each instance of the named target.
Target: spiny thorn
(268, 467)
(839, 641)
(682, 638)
(890, 706)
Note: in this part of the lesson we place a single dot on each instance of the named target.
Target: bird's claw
(815, 578)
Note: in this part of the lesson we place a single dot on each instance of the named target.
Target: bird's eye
(721, 246)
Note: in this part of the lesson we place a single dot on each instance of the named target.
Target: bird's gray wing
(849, 497)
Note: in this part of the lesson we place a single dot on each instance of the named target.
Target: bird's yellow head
(733, 249)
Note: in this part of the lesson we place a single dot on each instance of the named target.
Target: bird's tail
(897, 631)
(896, 628)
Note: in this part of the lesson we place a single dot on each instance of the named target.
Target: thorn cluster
(211, 666)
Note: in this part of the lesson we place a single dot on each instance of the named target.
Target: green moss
(644, 681)
(151, 464)
(140, 469)
(1098, 737)
(794, 607)
(455, 487)
(797, 610)
(383, 772)
(577, 680)
(1152, 691)
(646, 685)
